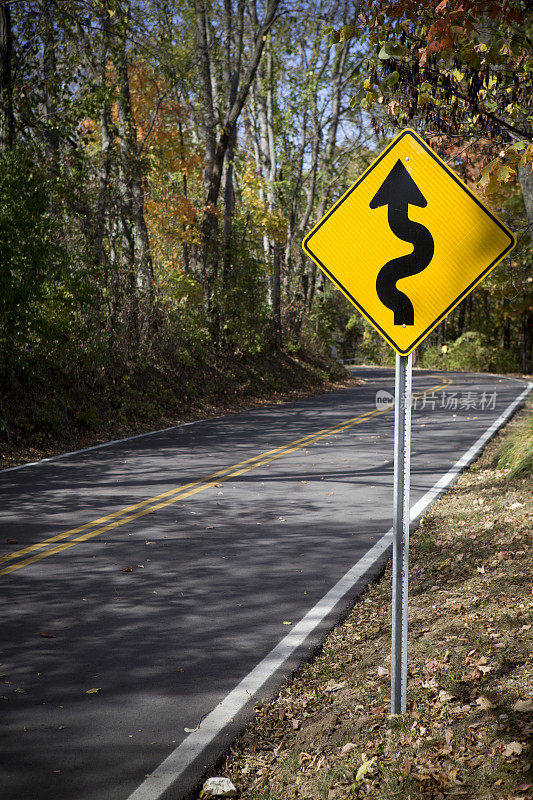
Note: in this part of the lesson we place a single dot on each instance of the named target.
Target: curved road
(143, 580)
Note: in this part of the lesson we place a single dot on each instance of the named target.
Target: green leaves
(391, 80)
(392, 50)
(346, 33)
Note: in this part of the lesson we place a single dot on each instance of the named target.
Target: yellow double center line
(90, 530)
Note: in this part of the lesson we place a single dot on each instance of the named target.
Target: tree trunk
(321, 172)
(461, 319)
(229, 206)
(209, 225)
(276, 336)
(185, 246)
(7, 125)
(105, 156)
(217, 147)
(137, 257)
(527, 348)
(267, 164)
(506, 338)
(231, 80)
(50, 87)
(125, 190)
(525, 177)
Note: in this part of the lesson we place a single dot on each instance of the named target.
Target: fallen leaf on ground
(512, 749)
(365, 768)
(524, 706)
(333, 686)
(47, 635)
(484, 703)
(347, 747)
(93, 691)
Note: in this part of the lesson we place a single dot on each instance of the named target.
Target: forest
(161, 162)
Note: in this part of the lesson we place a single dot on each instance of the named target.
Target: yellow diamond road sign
(407, 242)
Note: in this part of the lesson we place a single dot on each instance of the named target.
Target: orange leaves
(157, 112)
(173, 168)
(503, 169)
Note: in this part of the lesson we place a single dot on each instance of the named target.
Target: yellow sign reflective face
(407, 242)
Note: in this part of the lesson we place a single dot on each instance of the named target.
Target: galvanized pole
(400, 546)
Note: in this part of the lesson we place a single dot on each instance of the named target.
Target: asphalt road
(143, 580)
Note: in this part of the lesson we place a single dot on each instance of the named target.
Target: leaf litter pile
(329, 735)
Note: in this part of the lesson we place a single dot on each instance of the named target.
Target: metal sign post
(400, 546)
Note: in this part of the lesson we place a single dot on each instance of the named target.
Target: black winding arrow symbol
(397, 191)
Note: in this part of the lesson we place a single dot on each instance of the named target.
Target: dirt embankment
(64, 414)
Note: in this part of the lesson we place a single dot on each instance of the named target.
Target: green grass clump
(516, 452)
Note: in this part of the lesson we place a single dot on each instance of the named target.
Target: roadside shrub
(434, 358)
(471, 352)
(372, 348)
(516, 452)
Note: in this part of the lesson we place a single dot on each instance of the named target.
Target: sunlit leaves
(173, 178)
(454, 67)
(271, 222)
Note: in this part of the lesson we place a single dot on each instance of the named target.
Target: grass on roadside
(516, 452)
(328, 735)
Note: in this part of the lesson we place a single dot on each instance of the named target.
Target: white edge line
(195, 743)
(191, 747)
(468, 457)
(105, 444)
(135, 436)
